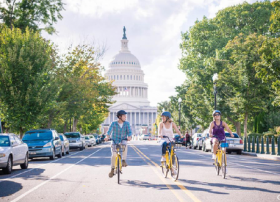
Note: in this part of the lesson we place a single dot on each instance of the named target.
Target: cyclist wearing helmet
(118, 131)
(217, 131)
(166, 129)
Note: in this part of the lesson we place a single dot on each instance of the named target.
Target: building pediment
(123, 106)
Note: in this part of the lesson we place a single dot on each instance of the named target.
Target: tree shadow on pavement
(8, 188)
(142, 184)
(224, 185)
(246, 179)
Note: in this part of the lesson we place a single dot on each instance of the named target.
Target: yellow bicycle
(172, 161)
(221, 159)
(119, 149)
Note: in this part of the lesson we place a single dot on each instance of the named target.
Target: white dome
(125, 59)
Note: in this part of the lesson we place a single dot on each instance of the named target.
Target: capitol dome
(124, 59)
(127, 77)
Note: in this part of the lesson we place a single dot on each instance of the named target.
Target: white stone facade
(128, 77)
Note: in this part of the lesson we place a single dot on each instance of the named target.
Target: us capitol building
(128, 78)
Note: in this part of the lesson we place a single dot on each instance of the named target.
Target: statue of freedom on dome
(124, 35)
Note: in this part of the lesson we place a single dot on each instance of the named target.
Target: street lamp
(179, 101)
(215, 78)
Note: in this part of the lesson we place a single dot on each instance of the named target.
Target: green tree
(27, 66)
(31, 13)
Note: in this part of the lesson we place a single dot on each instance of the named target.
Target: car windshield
(4, 141)
(235, 135)
(72, 135)
(91, 136)
(38, 135)
(87, 138)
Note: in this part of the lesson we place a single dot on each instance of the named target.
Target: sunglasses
(217, 115)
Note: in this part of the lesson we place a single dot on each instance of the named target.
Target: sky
(153, 27)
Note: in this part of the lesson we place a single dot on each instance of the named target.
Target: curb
(262, 156)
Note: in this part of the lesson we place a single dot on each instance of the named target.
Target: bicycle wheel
(164, 168)
(175, 168)
(217, 166)
(118, 169)
(224, 167)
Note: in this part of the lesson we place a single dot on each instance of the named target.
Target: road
(83, 176)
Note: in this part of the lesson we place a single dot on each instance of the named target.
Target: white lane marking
(6, 179)
(45, 182)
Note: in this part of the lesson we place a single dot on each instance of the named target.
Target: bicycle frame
(169, 160)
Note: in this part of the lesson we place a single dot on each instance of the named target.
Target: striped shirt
(118, 133)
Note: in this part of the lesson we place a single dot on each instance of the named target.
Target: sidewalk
(262, 156)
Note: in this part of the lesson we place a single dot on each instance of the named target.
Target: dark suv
(43, 143)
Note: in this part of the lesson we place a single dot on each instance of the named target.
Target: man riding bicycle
(118, 131)
(217, 131)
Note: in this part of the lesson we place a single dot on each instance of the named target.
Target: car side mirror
(56, 138)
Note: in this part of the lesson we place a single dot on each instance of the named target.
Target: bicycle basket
(118, 147)
(224, 145)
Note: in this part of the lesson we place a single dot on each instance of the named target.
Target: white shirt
(167, 132)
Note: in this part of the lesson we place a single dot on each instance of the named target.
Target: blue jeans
(163, 147)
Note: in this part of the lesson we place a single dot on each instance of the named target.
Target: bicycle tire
(118, 170)
(175, 168)
(224, 167)
(164, 169)
(217, 166)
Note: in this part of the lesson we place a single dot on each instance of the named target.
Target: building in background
(128, 78)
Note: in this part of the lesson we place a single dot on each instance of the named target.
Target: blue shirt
(118, 133)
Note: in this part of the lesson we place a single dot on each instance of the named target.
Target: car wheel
(82, 148)
(25, 164)
(53, 155)
(64, 151)
(239, 152)
(229, 152)
(9, 167)
(60, 153)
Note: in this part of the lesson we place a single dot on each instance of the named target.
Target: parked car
(89, 141)
(65, 144)
(76, 140)
(93, 138)
(178, 139)
(12, 152)
(200, 143)
(98, 139)
(102, 137)
(43, 143)
(145, 137)
(195, 139)
(235, 144)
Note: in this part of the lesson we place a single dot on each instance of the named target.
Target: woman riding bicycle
(217, 131)
(166, 129)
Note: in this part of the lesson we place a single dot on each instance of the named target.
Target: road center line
(45, 182)
(186, 191)
(162, 179)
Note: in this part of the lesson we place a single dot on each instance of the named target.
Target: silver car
(12, 152)
(235, 144)
(195, 139)
(76, 140)
(90, 140)
(65, 144)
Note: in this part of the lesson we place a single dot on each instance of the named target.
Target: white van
(195, 139)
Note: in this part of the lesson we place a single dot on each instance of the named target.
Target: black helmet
(216, 111)
(121, 112)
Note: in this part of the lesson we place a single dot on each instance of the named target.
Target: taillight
(197, 139)
(241, 141)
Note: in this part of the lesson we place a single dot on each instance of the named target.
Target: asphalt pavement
(83, 176)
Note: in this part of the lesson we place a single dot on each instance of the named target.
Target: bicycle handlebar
(168, 138)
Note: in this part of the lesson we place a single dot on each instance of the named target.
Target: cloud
(153, 29)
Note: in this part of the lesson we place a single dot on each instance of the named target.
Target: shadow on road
(8, 188)
(224, 185)
(246, 179)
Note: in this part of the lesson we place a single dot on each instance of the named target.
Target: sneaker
(124, 164)
(111, 174)
(162, 159)
(213, 156)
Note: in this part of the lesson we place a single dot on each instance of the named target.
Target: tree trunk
(21, 132)
(237, 125)
(50, 121)
(65, 126)
(245, 124)
(75, 122)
